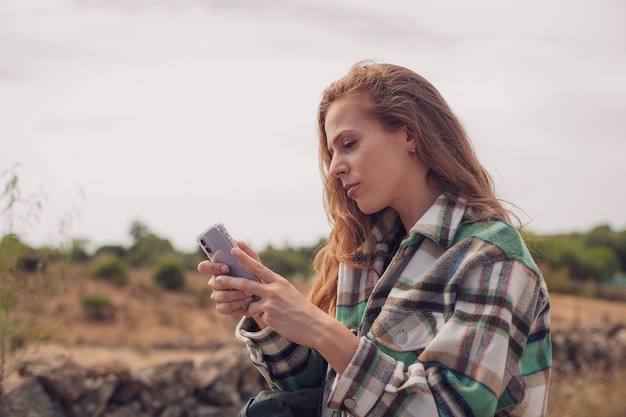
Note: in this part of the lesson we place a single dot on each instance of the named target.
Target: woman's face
(374, 165)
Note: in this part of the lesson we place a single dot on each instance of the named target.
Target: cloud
(182, 113)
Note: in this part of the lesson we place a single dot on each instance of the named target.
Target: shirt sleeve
(492, 353)
(284, 365)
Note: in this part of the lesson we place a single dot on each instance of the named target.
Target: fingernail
(219, 278)
(224, 269)
(236, 251)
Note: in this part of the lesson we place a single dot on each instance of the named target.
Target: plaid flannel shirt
(456, 325)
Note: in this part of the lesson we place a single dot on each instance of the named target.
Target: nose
(338, 167)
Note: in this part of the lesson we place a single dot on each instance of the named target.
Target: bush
(289, 262)
(16, 254)
(79, 255)
(148, 250)
(169, 273)
(117, 250)
(98, 307)
(111, 268)
(557, 279)
(31, 260)
(584, 261)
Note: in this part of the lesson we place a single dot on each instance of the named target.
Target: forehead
(347, 113)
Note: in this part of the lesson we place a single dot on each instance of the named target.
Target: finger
(247, 249)
(227, 296)
(226, 282)
(253, 265)
(212, 268)
(233, 307)
(254, 309)
(247, 286)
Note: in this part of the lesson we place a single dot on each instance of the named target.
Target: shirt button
(349, 403)
(401, 337)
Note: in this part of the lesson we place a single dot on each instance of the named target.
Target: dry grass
(145, 313)
(588, 395)
(148, 315)
(569, 311)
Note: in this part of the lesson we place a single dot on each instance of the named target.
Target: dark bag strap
(300, 403)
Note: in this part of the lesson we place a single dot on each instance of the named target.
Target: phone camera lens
(203, 242)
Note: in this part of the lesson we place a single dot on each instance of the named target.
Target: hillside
(152, 324)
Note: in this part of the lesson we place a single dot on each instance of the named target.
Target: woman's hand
(282, 307)
(228, 300)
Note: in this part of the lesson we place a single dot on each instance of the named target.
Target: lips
(351, 189)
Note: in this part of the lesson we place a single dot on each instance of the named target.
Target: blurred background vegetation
(589, 264)
(581, 263)
(577, 263)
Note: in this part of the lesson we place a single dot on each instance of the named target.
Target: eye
(348, 144)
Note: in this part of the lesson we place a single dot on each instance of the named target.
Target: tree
(288, 262)
(148, 249)
(620, 249)
(586, 256)
(138, 230)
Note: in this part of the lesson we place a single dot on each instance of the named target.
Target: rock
(222, 375)
(118, 368)
(183, 409)
(132, 409)
(601, 347)
(213, 411)
(166, 384)
(63, 378)
(219, 384)
(95, 400)
(128, 391)
(250, 381)
(28, 399)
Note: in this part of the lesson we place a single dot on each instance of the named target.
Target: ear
(411, 143)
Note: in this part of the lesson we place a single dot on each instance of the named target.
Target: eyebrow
(330, 143)
(337, 138)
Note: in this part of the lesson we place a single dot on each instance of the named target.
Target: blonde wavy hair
(397, 97)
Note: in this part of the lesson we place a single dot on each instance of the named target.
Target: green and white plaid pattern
(456, 325)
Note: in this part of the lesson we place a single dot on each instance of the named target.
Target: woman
(426, 301)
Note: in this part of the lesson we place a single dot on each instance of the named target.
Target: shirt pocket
(405, 330)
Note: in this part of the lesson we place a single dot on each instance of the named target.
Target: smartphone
(216, 243)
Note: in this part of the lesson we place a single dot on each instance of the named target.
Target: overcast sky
(181, 113)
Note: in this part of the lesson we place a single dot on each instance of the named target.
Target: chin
(368, 209)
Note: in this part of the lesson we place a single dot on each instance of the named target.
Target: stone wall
(600, 348)
(58, 387)
(218, 385)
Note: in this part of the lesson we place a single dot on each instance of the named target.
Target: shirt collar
(439, 224)
(441, 220)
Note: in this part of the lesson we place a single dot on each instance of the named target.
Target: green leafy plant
(169, 273)
(147, 248)
(98, 307)
(289, 262)
(110, 268)
(21, 271)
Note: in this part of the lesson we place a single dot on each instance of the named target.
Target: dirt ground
(568, 311)
(184, 324)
